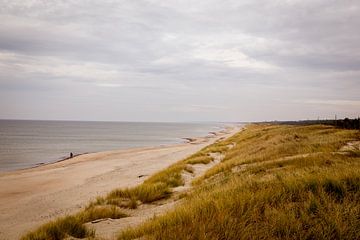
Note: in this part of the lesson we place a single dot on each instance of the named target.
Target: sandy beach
(31, 197)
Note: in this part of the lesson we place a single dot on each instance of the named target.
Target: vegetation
(73, 225)
(346, 123)
(159, 186)
(276, 182)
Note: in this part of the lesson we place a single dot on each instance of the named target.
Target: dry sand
(29, 198)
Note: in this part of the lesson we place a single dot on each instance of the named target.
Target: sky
(203, 60)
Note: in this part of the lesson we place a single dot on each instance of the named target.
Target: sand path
(29, 198)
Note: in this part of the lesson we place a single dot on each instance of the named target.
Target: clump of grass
(220, 147)
(171, 176)
(100, 212)
(131, 203)
(74, 225)
(146, 193)
(199, 160)
(155, 188)
(59, 229)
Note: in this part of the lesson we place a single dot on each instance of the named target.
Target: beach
(31, 197)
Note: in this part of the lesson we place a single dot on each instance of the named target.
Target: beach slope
(31, 197)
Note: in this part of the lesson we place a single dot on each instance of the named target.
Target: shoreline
(31, 197)
(182, 140)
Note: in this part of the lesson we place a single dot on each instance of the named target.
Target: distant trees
(346, 123)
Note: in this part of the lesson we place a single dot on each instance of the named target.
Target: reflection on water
(28, 143)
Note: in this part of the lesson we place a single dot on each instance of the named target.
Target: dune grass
(59, 229)
(276, 182)
(281, 182)
(159, 185)
(73, 225)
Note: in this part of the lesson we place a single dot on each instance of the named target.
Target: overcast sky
(203, 60)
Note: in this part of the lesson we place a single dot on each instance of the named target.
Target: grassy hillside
(275, 182)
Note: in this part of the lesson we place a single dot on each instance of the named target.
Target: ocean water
(25, 144)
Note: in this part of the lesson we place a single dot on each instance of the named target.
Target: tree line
(346, 123)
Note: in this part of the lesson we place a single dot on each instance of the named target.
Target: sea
(29, 143)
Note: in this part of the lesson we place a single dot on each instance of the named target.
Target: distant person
(71, 155)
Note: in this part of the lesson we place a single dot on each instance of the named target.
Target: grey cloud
(183, 52)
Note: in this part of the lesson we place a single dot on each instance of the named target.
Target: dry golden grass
(276, 182)
(159, 185)
(73, 225)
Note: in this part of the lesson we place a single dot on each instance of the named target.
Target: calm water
(25, 144)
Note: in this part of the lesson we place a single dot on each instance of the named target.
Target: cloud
(338, 102)
(205, 53)
(200, 108)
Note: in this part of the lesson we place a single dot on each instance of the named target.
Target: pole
(335, 120)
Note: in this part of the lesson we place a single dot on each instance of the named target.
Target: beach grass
(157, 186)
(73, 226)
(275, 182)
(59, 229)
